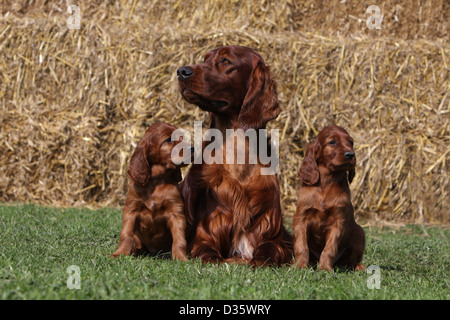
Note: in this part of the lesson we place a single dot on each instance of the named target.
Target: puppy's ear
(261, 101)
(139, 169)
(309, 171)
(351, 175)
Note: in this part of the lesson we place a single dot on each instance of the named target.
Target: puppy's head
(152, 156)
(333, 149)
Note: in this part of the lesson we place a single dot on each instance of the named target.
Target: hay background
(74, 103)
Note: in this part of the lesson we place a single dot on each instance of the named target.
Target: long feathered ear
(309, 171)
(261, 101)
(139, 169)
(351, 175)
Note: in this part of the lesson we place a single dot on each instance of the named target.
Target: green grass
(39, 243)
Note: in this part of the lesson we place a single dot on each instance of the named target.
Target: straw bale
(74, 103)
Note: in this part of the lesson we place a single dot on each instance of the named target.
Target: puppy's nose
(184, 73)
(349, 155)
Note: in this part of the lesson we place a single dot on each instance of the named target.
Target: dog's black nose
(349, 155)
(184, 73)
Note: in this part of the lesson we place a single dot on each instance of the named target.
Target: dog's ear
(140, 166)
(309, 171)
(351, 175)
(261, 101)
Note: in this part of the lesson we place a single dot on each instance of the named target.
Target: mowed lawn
(38, 244)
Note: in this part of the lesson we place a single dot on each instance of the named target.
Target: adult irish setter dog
(153, 215)
(233, 210)
(325, 230)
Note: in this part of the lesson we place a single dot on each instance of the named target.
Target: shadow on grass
(339, 269)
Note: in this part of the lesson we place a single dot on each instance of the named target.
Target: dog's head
(234, 83)
(333, 149)
(152, 156)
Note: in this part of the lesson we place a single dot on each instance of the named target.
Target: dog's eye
(169, 139)
(226, 61)
(332, 142)
(351, 143)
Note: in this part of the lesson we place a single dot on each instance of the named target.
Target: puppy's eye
(169, 139)
(332, 142)
(226, 61)
(351, 143)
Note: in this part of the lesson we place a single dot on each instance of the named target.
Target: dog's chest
(324, 209)
(243, 248)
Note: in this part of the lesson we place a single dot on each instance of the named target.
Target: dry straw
(74, 103)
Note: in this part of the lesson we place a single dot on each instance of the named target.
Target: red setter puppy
(153, 216)
(234, 211)
(324, 224)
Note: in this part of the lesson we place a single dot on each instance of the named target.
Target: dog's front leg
(330, 252)
(126, 241)
(177, 225)
(301, 249)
